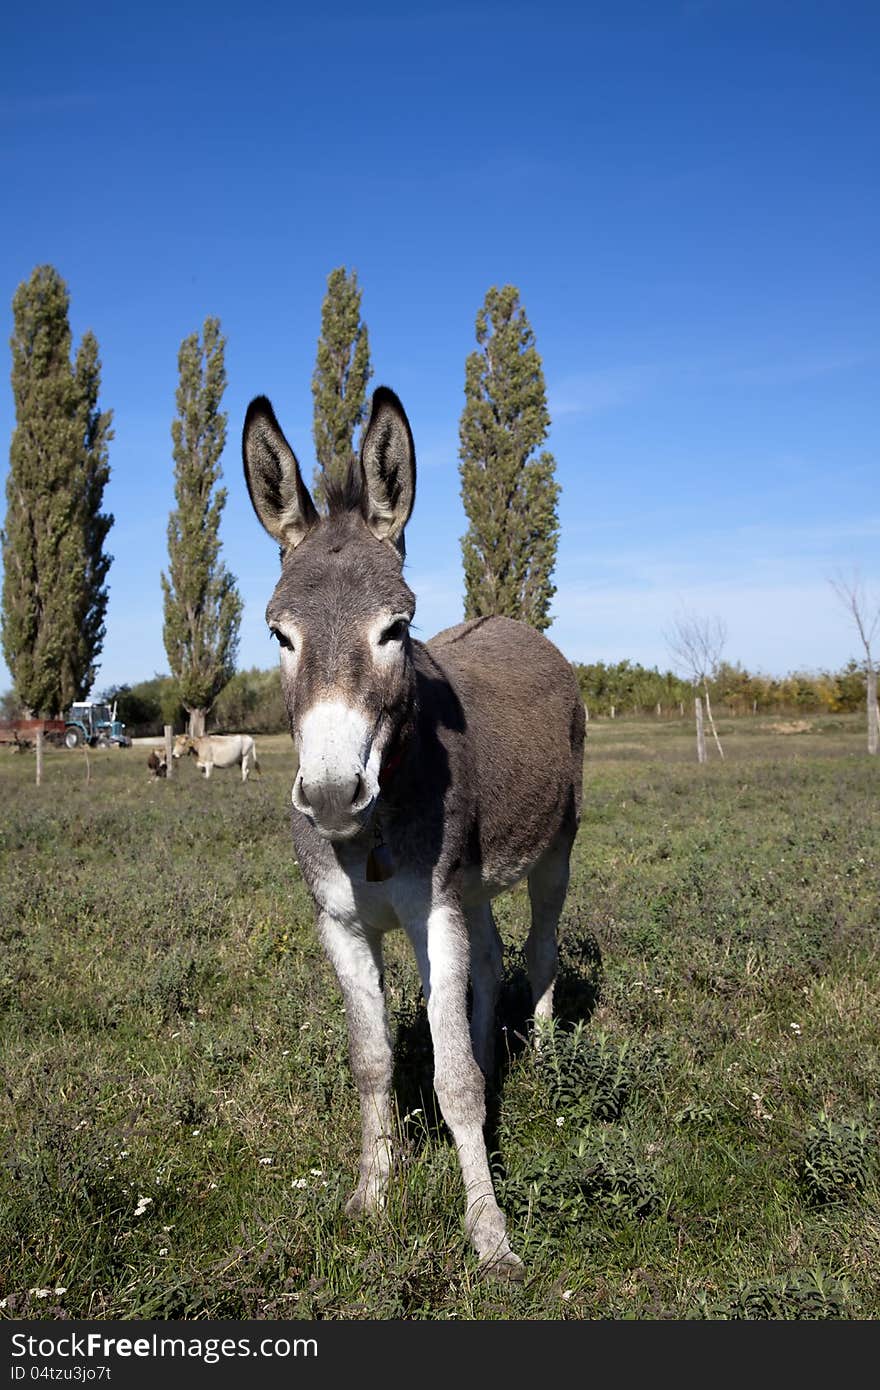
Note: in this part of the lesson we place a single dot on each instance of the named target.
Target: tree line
(55, 589)
(252, 700)
(627, 688)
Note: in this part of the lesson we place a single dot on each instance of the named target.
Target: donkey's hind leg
(548, 883)
(486, 972)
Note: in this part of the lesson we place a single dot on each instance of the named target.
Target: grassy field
(699, 1139)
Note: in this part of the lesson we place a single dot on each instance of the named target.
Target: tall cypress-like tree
(55, 568)
(201, 601)
(509, 492)
(339, 383)
(93, 427)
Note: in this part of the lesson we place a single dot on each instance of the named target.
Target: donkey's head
(341, 610)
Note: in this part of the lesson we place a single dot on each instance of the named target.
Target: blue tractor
(94, 722)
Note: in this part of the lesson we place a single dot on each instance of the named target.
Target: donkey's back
(521, 745)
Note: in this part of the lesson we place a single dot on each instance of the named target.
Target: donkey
(431, 778)
(219, 750)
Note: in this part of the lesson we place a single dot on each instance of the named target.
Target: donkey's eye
(283, 642)
(395, 632)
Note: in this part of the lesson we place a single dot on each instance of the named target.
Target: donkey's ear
(388, 458)
(280, 497)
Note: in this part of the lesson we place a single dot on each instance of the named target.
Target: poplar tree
(93, 428)
(339, 382)
(508, 490)
(55, 568)
(202, 605)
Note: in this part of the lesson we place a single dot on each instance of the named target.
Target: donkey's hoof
(508, 1268)
(364, 1201)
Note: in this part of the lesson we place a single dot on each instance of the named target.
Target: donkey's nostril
(298, 795)
(358, 788)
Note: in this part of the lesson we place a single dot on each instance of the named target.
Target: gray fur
(479, 734)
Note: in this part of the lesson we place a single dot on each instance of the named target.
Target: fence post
(169, 760)
(701, 737)
(39, 757)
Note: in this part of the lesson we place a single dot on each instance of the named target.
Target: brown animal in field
(157, 762)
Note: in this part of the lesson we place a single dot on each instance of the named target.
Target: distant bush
(11, 707)
(147, 707)
(251, 701)
(629, 688)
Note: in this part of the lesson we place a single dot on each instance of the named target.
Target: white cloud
(787, 373)
(588, 393)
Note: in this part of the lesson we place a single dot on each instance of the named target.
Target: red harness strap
(388, 768)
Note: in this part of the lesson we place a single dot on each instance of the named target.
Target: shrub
(835, 1163)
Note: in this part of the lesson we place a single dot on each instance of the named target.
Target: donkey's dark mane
(347, 494)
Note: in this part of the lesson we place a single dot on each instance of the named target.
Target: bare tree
(696, 645)
(865, 614)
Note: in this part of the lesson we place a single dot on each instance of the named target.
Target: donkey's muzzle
(338, 806)
(335, 787)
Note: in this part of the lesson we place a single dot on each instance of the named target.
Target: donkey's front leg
(442, 948)
(356, 955)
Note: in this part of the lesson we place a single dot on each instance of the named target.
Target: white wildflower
(142, 1204)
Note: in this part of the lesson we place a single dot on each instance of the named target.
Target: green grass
(697, 1138)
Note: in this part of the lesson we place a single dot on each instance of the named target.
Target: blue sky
(686, 195)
